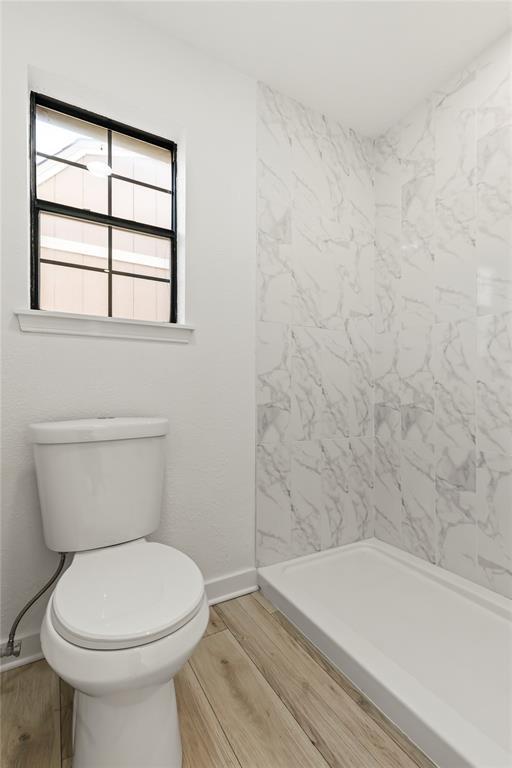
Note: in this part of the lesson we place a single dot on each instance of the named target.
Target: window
(103, 212)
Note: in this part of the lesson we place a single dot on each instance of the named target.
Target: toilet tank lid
(96, 430)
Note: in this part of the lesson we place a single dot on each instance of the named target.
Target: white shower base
(430, 649)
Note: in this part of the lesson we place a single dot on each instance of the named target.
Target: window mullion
(109, 161)
(59, 209)
(120, 177)
(34, 213)
(174, 247)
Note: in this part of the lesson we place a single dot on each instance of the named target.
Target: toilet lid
(126, 595)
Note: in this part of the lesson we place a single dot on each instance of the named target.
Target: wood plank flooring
(30, 721)
(255, 694)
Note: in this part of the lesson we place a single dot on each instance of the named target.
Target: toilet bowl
(127, 613)
(120, 624)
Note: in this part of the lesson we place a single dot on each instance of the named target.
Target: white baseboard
(217, 591)
(30, 651)
(232, 585)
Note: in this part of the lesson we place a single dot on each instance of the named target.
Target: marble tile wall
(443, 326)
(384, 349)
(315, 380)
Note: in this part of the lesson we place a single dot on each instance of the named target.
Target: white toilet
(127, 613)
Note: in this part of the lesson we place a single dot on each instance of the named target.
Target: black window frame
(38, 206)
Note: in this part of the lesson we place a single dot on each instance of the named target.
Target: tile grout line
(207, 698)
(269, 684)
(62, 711)
(59, 722)
(276, 693)
(61, 751)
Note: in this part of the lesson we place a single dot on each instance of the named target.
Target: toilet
(127, 613)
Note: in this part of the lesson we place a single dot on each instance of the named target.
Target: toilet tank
(100, 480)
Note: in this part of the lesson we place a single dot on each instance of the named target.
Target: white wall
(91, 56)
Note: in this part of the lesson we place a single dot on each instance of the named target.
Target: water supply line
(12, 648)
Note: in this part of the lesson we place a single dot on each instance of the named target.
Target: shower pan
(432, 650)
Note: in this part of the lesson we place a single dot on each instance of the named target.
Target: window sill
(64, 323)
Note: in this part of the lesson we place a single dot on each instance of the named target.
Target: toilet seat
(126, 595)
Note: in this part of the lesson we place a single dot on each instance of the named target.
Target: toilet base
(127, 730)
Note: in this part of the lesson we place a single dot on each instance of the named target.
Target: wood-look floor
(255, 694)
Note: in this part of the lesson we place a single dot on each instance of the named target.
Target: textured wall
(315, 332)
(205, 388)
(443, 322)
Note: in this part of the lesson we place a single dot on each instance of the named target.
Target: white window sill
(64, 323)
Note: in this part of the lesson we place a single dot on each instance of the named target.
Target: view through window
(103, 216)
